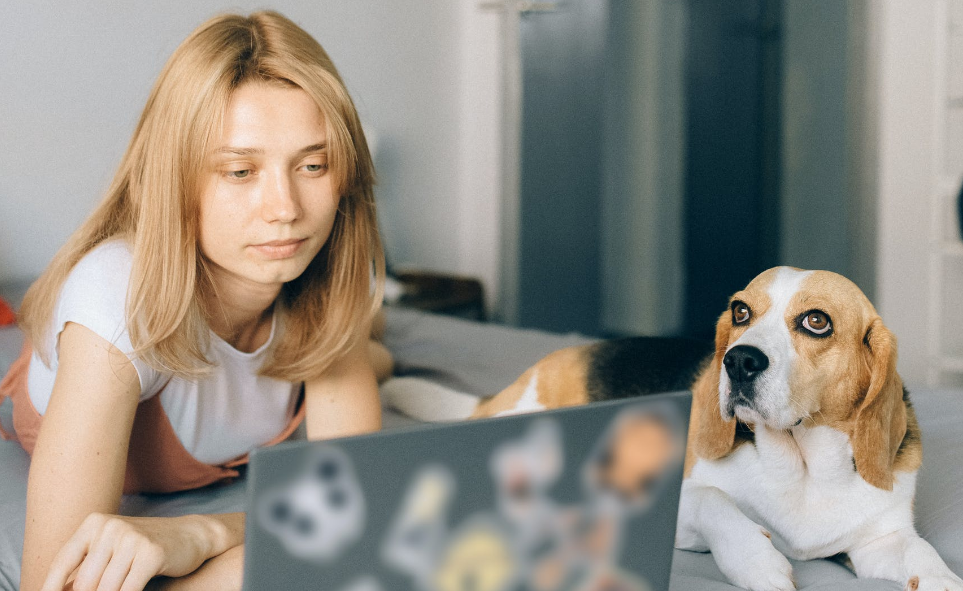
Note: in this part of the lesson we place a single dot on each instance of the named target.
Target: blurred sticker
(321, 512)
(633, 457)
(420, 529)
(479, 557)
(524, 471)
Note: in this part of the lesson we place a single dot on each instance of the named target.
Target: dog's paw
(756, 565)
(937, 583)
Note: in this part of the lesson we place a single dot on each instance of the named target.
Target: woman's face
(267, 202)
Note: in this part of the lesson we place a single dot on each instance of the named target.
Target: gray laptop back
(581, 499)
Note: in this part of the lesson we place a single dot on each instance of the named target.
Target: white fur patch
(528, 401)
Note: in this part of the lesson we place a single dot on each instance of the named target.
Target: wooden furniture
(443, 294)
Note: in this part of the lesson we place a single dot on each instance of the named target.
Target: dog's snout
(743, 363)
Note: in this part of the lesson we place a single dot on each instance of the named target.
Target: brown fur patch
(561, 382)
(710, 436)
(562, 377)
(881, 418)
(830, 373)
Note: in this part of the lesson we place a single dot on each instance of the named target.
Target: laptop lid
(582, 498)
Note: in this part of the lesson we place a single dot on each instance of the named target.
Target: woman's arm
(77, 476)
(344, 401)
(80, 455)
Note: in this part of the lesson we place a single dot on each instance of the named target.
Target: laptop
(575, 499)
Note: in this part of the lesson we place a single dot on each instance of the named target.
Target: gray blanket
(483, 359)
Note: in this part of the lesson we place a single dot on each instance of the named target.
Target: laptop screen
(582, 498)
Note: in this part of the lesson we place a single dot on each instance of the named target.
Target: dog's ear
(881, 416)
(713, 437)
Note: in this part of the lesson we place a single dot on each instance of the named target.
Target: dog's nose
(744, 363)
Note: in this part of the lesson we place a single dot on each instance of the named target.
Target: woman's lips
(279, 249)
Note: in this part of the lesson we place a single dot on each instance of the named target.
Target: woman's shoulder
(101, 275)
(111, 257)
(94, 295)
(95, 291)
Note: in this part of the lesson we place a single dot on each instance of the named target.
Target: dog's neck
(815, 452)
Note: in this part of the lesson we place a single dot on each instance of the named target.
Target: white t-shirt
(216, 417)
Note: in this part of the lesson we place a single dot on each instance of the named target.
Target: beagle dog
(802, 442)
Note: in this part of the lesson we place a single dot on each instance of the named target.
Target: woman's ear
(712, 436)
(881, 417)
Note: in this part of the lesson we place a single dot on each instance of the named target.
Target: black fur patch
(637, 366)
(745, 433)
(912, 436)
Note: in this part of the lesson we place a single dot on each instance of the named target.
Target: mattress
(482, 359)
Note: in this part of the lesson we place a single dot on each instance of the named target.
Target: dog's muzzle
(744, 363)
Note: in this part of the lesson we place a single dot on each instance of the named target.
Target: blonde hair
(152, 203)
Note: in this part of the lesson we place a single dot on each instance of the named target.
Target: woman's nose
(280, 200)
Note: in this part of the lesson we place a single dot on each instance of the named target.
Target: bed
(483, 358)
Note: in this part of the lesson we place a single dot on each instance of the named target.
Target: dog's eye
(740, 313)
(817, 322)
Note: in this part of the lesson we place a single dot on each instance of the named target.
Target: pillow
(6, 313)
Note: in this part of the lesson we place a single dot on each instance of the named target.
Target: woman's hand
(116, 553)
(223, 572)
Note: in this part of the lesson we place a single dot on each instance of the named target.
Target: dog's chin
(747, 414)
(747, 411)
(739, 404)
(751, 416)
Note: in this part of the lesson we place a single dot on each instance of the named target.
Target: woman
(219, 294)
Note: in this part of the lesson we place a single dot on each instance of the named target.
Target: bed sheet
(484, 358)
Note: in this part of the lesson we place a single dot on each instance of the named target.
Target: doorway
(732, 173)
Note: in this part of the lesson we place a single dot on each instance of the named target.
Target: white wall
(481, 147)
(909, 84)
(75, 76)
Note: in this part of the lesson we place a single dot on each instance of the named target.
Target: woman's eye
(239, 174)
(740, 313)
(817, 322)
(315, 167)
